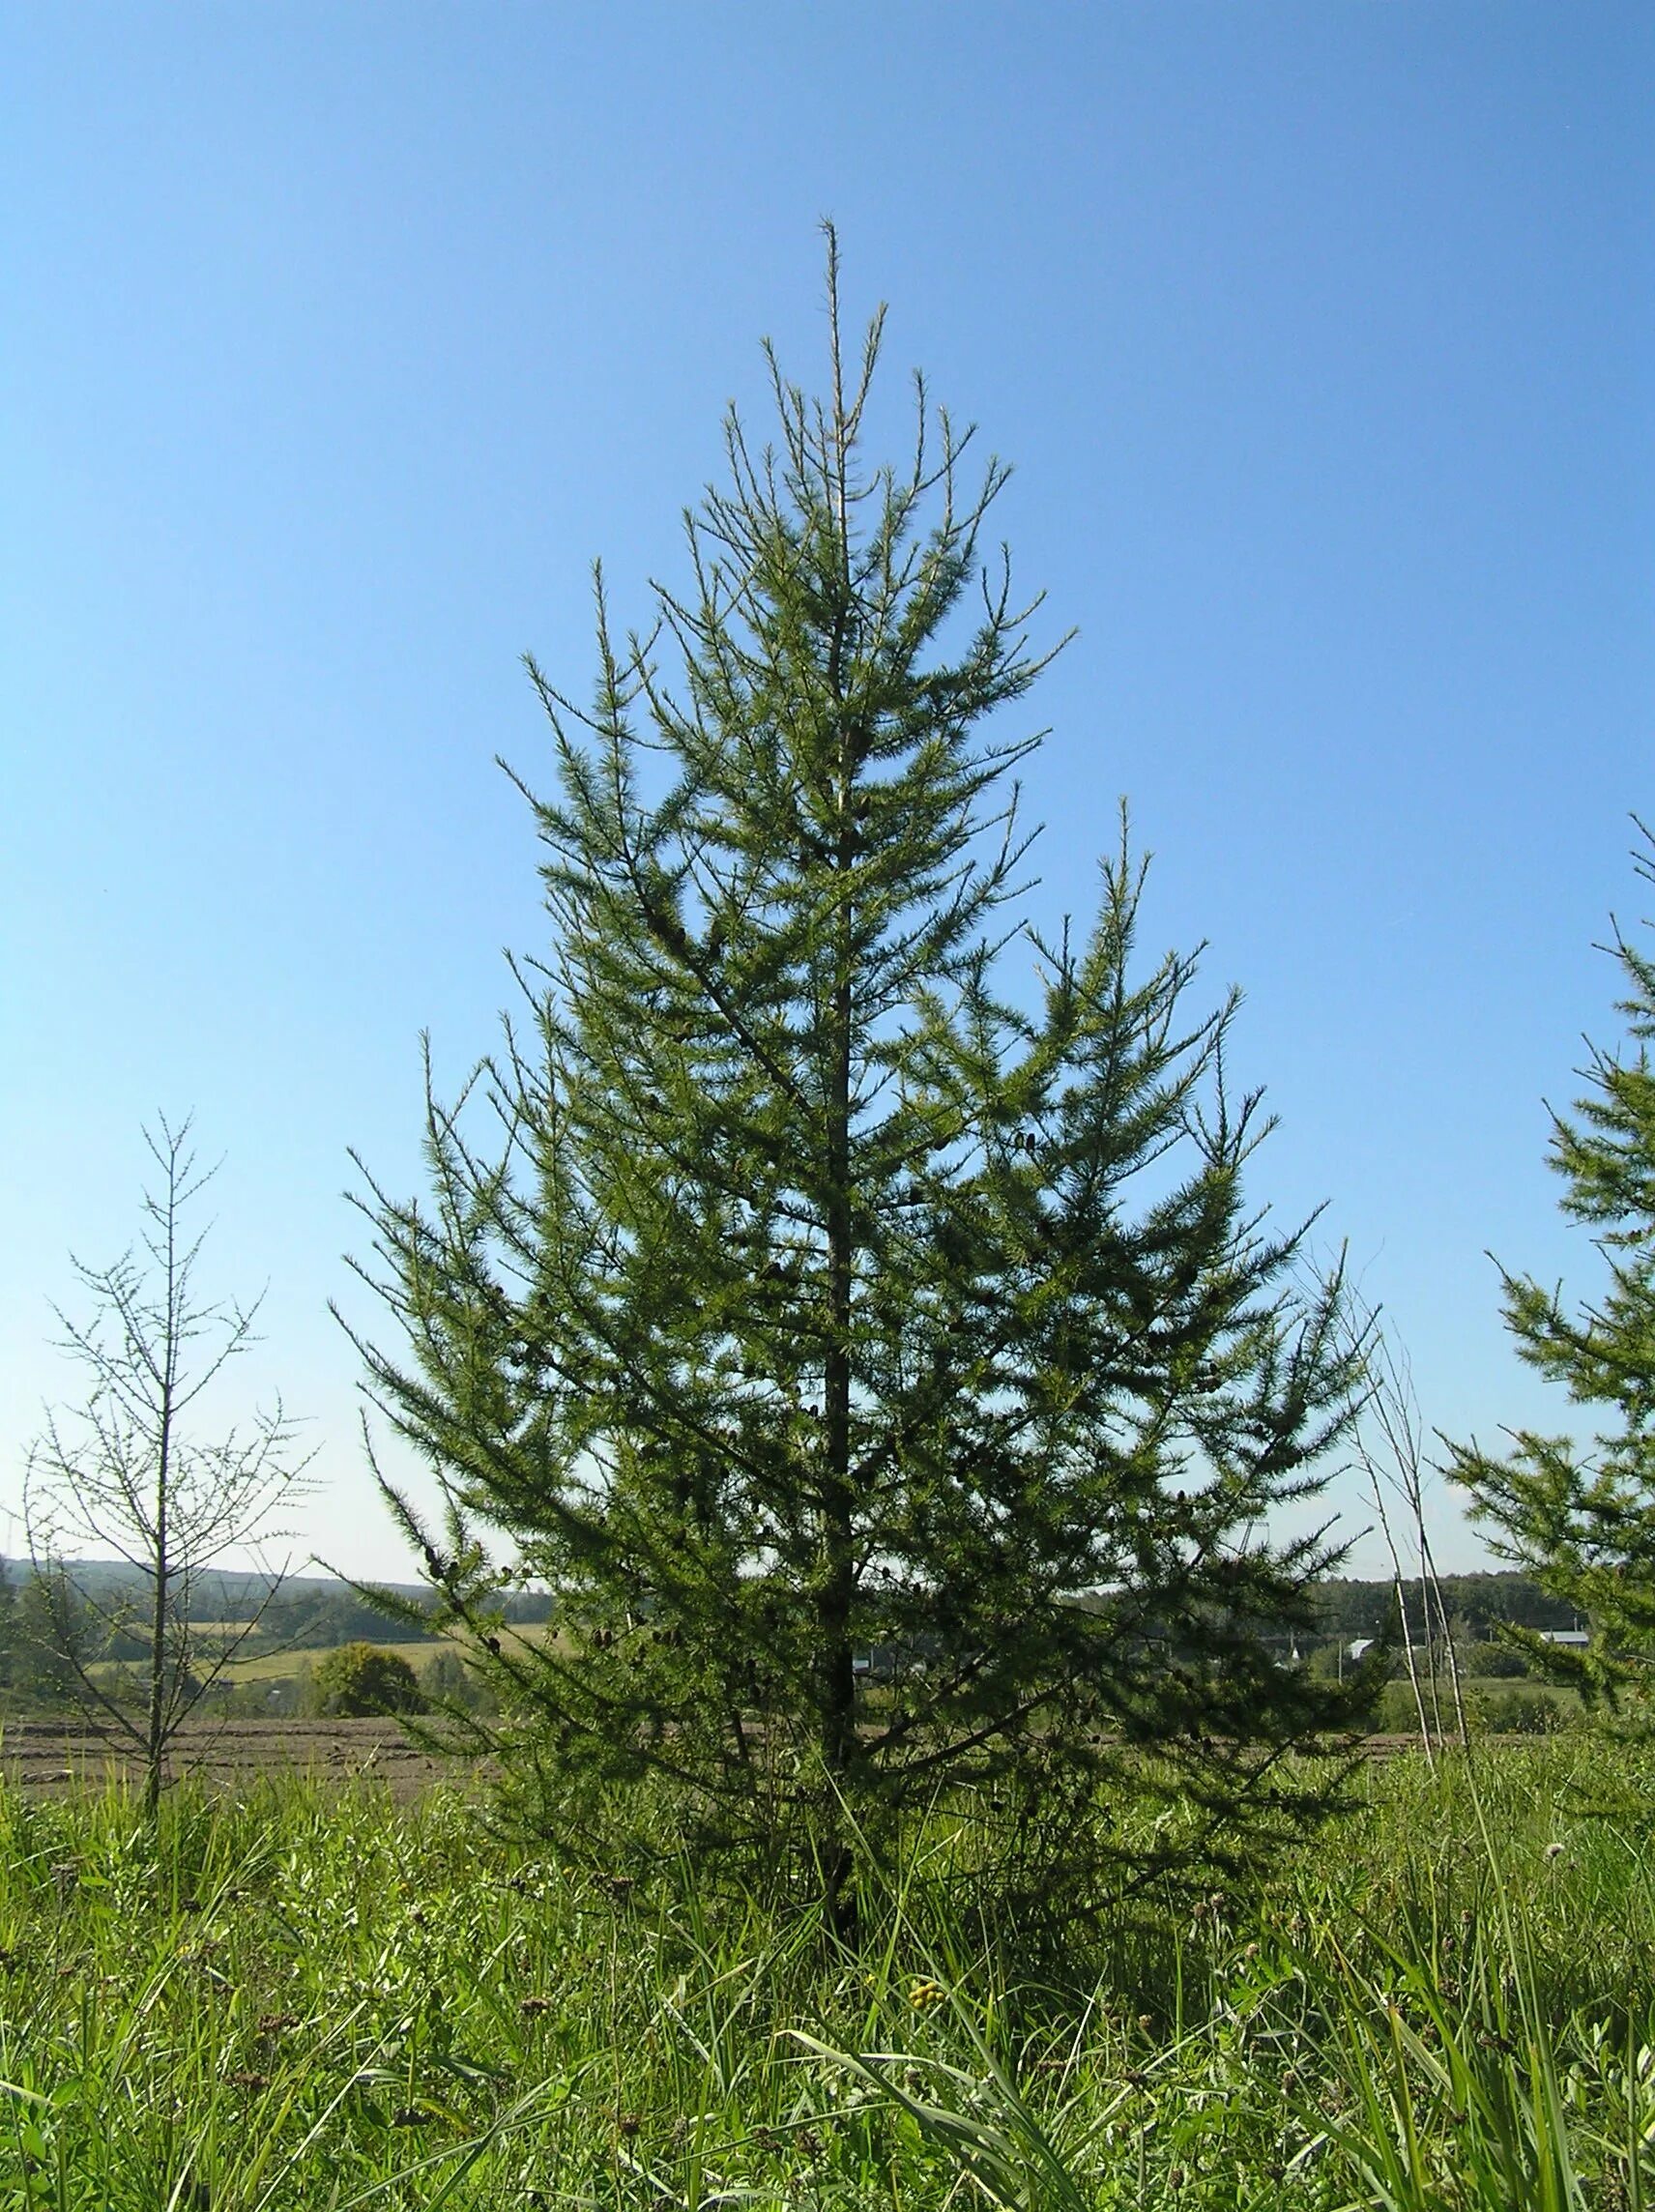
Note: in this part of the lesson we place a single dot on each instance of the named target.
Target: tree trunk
(155, 1744)
(835, 1656)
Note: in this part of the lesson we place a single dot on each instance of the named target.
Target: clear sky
(336, 341)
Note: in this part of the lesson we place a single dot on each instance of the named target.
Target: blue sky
(339, 340)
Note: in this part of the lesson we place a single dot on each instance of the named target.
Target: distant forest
(311, 1612)
(308, 1613)
(1476, 1606)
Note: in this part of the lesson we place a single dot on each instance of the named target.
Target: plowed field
(60, 1755)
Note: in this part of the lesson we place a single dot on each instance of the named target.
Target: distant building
(1572, 1639)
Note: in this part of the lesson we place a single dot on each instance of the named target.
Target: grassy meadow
(292, 1999)
(276, 1676)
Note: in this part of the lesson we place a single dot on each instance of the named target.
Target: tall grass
(294, 2000)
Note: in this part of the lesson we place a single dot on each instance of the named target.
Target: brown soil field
(56, 1754)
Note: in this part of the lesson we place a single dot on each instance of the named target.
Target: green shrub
(358, 1679)
(1396, 1711)
(447, 1680)
(1517, 1712)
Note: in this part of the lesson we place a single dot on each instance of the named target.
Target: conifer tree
(124, 1473)
(1581, 1519)
(883, 1369)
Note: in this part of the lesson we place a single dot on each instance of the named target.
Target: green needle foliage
(888, 1377)
(1583, 1521)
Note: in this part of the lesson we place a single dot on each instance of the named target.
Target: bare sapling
(126, 1473)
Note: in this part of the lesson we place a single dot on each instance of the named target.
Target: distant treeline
(309, 1615)
(1477, 1605)
(309, 1611)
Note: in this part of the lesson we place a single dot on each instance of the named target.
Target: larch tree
(885, 1370)
(129, 1472)
(1580, 1517)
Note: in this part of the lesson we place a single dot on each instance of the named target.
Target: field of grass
(290, 1664)
(286, 1670)
(289, 1999)
(285, 1664)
